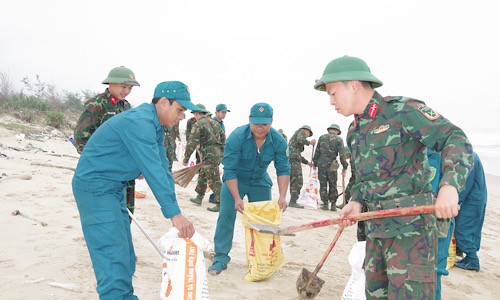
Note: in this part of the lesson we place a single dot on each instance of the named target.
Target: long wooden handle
(330, 248)
(386, 213)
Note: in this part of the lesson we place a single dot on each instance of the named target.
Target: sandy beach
(52, 261)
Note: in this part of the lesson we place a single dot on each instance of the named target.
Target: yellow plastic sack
(264, 252)
(452, 253)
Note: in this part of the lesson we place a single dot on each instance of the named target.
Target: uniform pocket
(421, 273)
(420, 282)
(101, 217)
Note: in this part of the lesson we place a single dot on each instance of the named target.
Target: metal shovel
(378, 214)
(309, 284)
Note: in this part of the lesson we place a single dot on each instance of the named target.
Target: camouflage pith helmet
(334, 126)
(121, 75)
(308, 128)
(346, 68)
(202, 108)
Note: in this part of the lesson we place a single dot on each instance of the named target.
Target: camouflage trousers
(402, 267)
(209, 175)
(296, 180)
(327, 184)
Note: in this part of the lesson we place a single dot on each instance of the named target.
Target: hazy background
(240, 53)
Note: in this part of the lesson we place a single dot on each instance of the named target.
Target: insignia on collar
(428, 112)
(372, 111)
(381, 129)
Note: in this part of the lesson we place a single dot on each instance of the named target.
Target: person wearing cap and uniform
(125, 146)
(295, 149)
(189, 128)
(330, 145)
(392, 170)
(248, 152)
(97, 110)
(211, 138)
(220, 114)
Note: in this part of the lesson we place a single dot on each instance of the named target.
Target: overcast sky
(242, 52)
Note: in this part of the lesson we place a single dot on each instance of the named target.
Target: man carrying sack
(248, 152)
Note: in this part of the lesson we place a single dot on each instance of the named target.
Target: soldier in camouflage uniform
(295, 149)
(171, 134)
(189, 128)
(104, 106)
(209, 135)
(392, 170)
(330, 145)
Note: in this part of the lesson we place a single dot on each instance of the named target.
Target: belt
(407, 201)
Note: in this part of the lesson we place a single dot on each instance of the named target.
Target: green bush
(56, 119)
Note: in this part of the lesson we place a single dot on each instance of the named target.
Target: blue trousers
(443, 253)
(106, 228)
(468, 229)
(224, 232)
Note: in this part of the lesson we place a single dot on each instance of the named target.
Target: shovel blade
(308, 284)
(266, 228)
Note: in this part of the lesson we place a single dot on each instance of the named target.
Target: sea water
(486, 143)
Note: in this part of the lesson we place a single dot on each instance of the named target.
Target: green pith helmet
(202, 108)
(334, 126)
(121, 75)
(346, 68)
(308, 128)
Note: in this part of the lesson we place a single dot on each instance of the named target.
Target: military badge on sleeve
(428, 112)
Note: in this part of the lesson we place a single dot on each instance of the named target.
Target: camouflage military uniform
(325, 159)
(189, 128)
(211, 138)
(392, 170)
(171, 135)
(295, 149)
(360, 230)
(97, 111)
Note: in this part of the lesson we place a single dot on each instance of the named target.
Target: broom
(184, 176)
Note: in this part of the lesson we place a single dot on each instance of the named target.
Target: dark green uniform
(295, 149)
(392, 170)
(97, 111)
(329, 146)
(209, 135)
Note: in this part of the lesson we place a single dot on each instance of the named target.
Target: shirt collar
(371, 108)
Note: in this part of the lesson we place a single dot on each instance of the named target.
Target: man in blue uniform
(121, 149)
(220, 114)
(248, 152)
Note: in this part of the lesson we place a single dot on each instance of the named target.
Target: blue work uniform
(221, 122)
(470, 217)
(121, 149)
(243, 161)
(443, 240)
